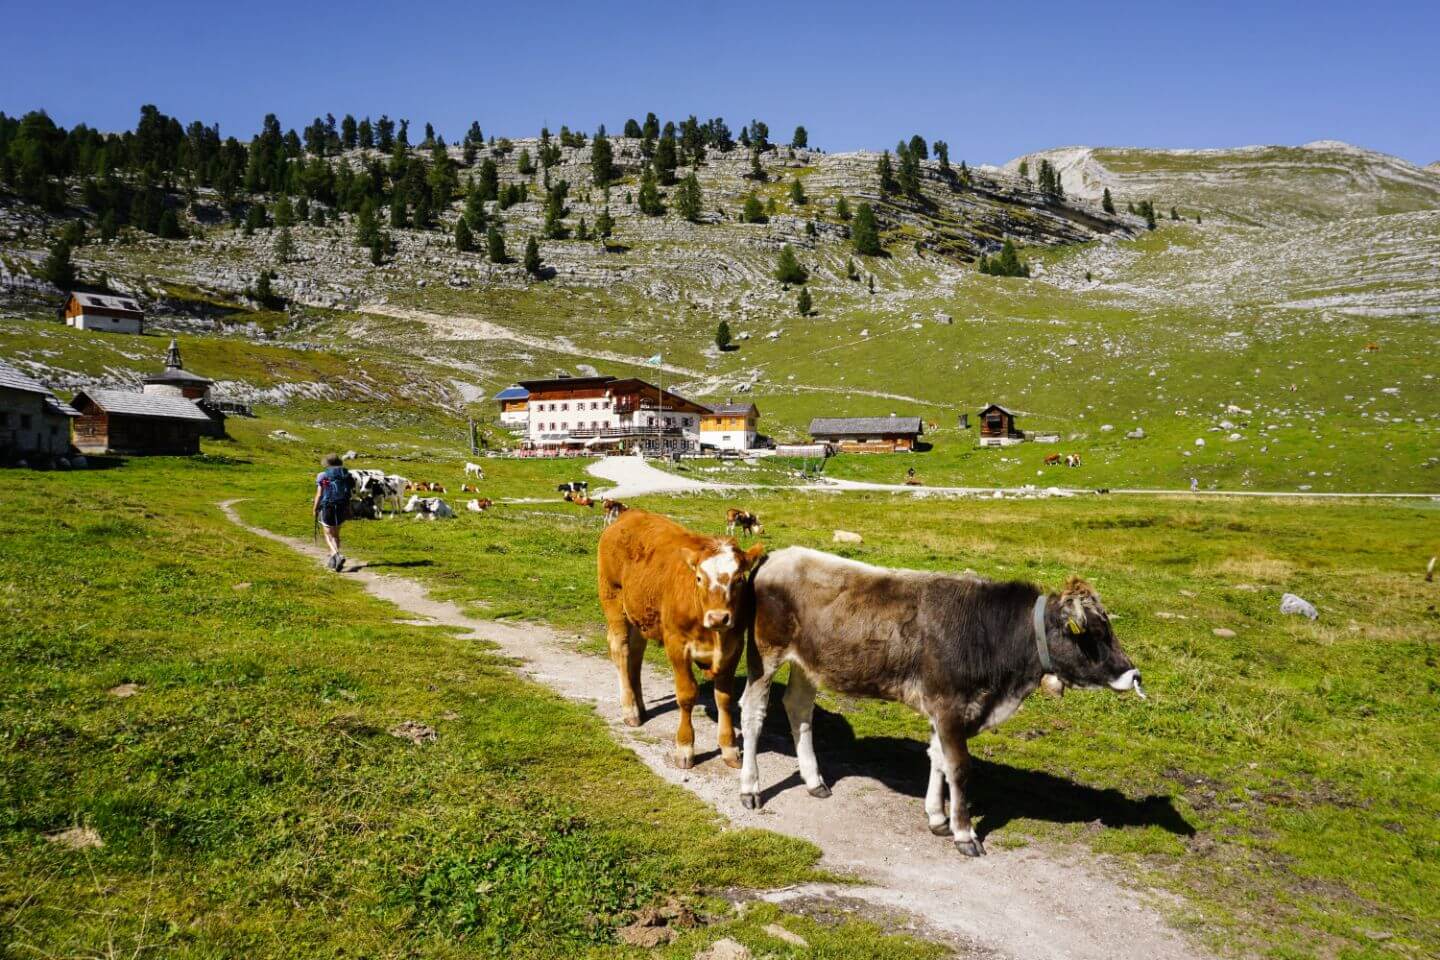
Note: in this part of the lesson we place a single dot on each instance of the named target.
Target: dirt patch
(655, 926)
(414, 731)
(124, 690)
(77, 838)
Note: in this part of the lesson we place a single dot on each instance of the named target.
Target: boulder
(845, 536)
(724, 949)
(1292, 604)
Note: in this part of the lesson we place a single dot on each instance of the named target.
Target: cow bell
(1052, 685)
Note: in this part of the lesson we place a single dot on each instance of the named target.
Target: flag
(654, 361)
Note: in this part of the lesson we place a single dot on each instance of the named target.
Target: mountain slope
(1262, 185)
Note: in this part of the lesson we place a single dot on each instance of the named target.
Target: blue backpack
(336, 485)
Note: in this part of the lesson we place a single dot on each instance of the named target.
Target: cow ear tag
(1073, 626)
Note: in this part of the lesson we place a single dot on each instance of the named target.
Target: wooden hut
(98, 311)
(868, 434)
(138, 424)
(997, 427)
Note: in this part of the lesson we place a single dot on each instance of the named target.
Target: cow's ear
(753, 555)
(691, 558)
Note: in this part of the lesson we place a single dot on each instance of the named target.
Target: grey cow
(961, 650)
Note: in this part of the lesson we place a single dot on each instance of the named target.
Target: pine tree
(632, 129)
(284, 245)
(475, 209)
(802, 302)
(532, 257)
(604, 224)
(842, 209)
(666, 159)
(788, 269)
(865, 233)
(942, 155)
(918, 149)
(886, 173)
(365, 135)
(378, 243)
(582, 231)
(263, 293)
(602, 160)
(495, 245)
(801, 140)
(169, 227)
(464, 240)
(1174, 214)
(870, 283)
(688, 198)
(523, 163)
(367, 226)
(757, 172)
(722, 336)
(797, 192)
(909, 177)
(284, 212)
(752, 211)
(489, 183)
(1107, 204)
(651, 130)
(850, 272)
(649, 201)
(1025, 171)
(58, 268)
(110, 229)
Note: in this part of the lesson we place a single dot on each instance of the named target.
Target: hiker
(1194, 485)
(333, 487)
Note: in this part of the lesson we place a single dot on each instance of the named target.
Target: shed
(32, 419)
(100, 311)
(138, 424)
(997, 427)
(868, 434)
(730, 426)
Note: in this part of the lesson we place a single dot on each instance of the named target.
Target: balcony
(607, 433)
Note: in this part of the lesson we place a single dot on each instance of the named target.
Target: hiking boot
(339, 563)
(334, 562)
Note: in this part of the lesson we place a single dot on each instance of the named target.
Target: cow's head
(1083, 649)
(720, 583)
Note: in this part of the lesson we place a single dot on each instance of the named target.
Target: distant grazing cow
(469, 488)
(1072, 459)
(574, 486)
(659, 581)
(436, 487)
(613, 509)
(742, 520)
(475, 470)
(429, 508)
(581, 500)
(1372, 347)
(961, 650)
(1052, 460)
(480, 505)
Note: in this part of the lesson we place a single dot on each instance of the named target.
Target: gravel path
(1027, 903)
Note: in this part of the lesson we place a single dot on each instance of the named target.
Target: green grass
(1281, 780)
(249, 797)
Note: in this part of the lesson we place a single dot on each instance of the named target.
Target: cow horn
(1077, 614)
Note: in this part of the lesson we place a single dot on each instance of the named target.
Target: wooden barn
(138, 424)
(99, 311)
(868, 434)
(997, 427)
(32, 419)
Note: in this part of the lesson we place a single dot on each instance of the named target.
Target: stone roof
(855, 426)
(128, 404)
(103, 302)
(12, 379)
(58, 406)
(734, 409)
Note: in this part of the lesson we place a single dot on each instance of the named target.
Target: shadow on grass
(401, 564)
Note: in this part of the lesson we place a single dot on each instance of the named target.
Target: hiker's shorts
(331, 514)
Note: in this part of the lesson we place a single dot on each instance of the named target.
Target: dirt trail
(1021, 903)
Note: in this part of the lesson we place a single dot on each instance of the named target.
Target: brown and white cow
(613, 509)
(742, 520)
(959, 649)
(659, 581)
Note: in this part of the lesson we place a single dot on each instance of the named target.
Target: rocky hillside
(1258, 186)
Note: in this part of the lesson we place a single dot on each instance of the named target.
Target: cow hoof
(631, 719)
(971, 848)
(684, 759)
(731, 757)
(941, 829)
(821, 792)
(750, 801)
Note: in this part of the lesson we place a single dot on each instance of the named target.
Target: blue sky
(994, 79)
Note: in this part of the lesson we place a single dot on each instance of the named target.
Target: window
(564, 406)
(25, 421)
